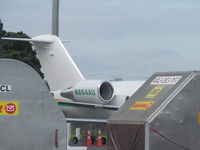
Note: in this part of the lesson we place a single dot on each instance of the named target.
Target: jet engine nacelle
(93, 91)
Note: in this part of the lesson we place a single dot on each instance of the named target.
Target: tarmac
(93, 147)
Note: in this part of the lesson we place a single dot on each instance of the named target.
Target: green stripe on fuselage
(68, 105)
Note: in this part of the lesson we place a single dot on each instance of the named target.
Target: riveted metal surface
(38, 118)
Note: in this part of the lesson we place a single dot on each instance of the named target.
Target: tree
(20, 50)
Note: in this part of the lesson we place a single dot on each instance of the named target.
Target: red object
(56, 138)
(99, 140)
(88, 140)
(10, 108)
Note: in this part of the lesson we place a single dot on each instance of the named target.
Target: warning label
(154, 92)
(9, 108)
(142, 105)
(166, 80)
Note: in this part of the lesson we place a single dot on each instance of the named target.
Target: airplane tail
(59, 69)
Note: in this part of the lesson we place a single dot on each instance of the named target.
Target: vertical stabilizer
(59, 69)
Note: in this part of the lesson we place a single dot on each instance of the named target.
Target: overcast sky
(131, 39)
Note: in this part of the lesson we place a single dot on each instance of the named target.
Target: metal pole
(86, 120)
(1, 49)
(55, 17)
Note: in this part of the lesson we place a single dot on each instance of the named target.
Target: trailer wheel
(103, 140)
(75, 140)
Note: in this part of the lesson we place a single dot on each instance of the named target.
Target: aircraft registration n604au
(78, 97)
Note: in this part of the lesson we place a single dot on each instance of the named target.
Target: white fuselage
(123, 90)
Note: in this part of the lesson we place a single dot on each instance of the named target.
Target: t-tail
(59, 69)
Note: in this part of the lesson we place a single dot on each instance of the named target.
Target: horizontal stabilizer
(28, 40)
